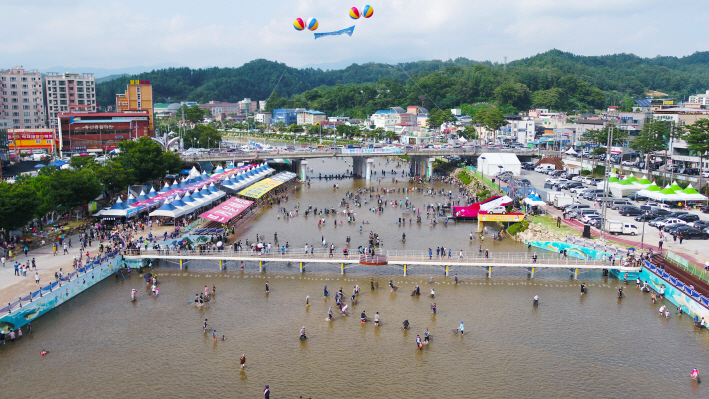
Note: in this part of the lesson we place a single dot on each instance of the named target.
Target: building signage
(23, 140)
(93, 127)
(140, 82)
(371, 150)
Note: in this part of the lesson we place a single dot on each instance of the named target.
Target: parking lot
(693, 247)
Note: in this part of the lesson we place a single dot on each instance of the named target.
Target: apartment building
(22, 98)
(702, 99)
(137, 98)
(68, 92)
(310, 117)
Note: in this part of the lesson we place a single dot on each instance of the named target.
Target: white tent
(571, 152)
(492, 163)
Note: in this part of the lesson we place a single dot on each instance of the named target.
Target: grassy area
(464, 178)
(517, 228)
(71, 224)
(549, 223)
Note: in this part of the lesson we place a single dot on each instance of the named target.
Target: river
(103, 345)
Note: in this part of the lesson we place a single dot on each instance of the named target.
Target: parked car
(618, 203)
(578, 189)
(646, 217)
(688, 217)
(570, 185)
(629, 163)
(700, 224)
(667, 221)
(630, 211)
(690, 232)
(586, 217)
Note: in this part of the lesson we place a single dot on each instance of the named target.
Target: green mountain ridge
(554, 79)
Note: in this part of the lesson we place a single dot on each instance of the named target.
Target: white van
(620, 227)
(544, 167)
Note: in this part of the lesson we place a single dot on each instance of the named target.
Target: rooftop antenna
(505, 67)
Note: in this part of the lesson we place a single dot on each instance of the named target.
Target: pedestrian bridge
(398, 259)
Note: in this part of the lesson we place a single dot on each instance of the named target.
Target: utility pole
(505, 67)
(605, 183)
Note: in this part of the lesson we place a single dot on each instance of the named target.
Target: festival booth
(471, 211)
(267, 186)
(673, 194)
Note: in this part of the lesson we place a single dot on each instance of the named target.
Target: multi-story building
(286, 116)
(263, 117)
(100, 131)
(138, 97)
(22, 98)
(262, 105)
(218, 107)
(388, 119)
(31, 141)
(68, 92)
(247, 107)
(310, 117)
(702, 99)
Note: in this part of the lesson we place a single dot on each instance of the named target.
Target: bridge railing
(337, 255)
(491, 257)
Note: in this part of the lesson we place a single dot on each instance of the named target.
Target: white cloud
(230, 33)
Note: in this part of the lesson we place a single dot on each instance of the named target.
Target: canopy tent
(227, 210)
(131, 199)
(259, 189)
(571, 152)
(142, 196)
(193, 173)
(152, 193)
(492, 163)
(669, 193)
(625, 187)
(534, 200)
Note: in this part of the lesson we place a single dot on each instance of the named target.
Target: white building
(388, 119)
(263, 117)
(492, 163)
(22, 98)
(338, 119)
(68, 92)
(702, 99)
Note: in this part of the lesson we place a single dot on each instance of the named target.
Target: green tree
(469, 133)
(193, 114)
(74, 188)
(491, 118)
(515, 94)
(652, 138)
(82, 161)
(203, 136)
(697, 137)
(437, 117)
(114, 177)
(17, 205)
(147, 159)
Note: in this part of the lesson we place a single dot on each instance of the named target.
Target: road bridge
(398, 259)
(421, 158)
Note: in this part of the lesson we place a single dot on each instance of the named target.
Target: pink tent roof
(227, 210)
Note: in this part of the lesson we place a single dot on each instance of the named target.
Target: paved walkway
(12, 287)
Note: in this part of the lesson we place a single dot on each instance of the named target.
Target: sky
(39, 34)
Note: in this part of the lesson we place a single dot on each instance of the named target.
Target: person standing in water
(433, 307)
(363, 317)
(418, 342)
(267, 290)
(462, 328)
(695, 374)
(583, 288)
(242, 360)
(205, 325)
(535, 301)
(376, 319)
(329, 314)
(391, 285)
(456, 278)
(372, 284)
(307, 301)
(133, 294)
(426, 336)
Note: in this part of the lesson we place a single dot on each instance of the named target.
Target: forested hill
(258, 78)
(554, 79)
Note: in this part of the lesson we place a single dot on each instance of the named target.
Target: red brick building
(99, 132)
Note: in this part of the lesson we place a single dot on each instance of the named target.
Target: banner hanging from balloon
(347, 31)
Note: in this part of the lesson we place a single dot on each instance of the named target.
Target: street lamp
(499, 179)
(480, 166)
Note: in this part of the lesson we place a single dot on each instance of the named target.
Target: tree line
(62, 190)
(554, 79)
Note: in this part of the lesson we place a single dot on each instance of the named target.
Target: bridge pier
(404, 270)
(301, 267)
(531, 272)
(181, 267)
(447, 269)
(260, 266)
(221, 266)
(576, 274)
(489, 272)
(362, 167)
(342, 268)
(301, 168)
